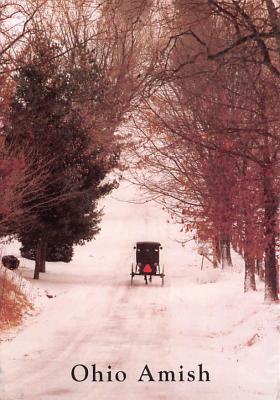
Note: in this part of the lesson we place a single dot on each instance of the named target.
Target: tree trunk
(215, 255)
(228, 252)
(218, 249)
(271, 207)
(223, 255)
(249, 280)
(225, 252)
(270, 277)
(38, 259)
(259, 268)
(43, 255)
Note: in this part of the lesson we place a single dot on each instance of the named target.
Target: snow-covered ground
(96, 317)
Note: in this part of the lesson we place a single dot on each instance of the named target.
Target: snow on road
(96, 317)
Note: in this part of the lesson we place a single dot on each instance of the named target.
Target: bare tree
(219, 105)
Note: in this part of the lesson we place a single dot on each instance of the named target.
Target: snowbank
(93, 316)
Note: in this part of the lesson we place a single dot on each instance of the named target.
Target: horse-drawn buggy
(147, 262)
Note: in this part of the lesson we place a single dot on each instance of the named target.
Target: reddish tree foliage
(212, 133)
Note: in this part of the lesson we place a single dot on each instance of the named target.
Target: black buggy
(147, 261)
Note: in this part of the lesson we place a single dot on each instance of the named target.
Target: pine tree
(46, 125)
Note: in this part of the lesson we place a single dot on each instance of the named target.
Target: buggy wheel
(162, 276)
(132, 275)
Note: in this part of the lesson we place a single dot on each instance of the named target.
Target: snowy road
(96, 317)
